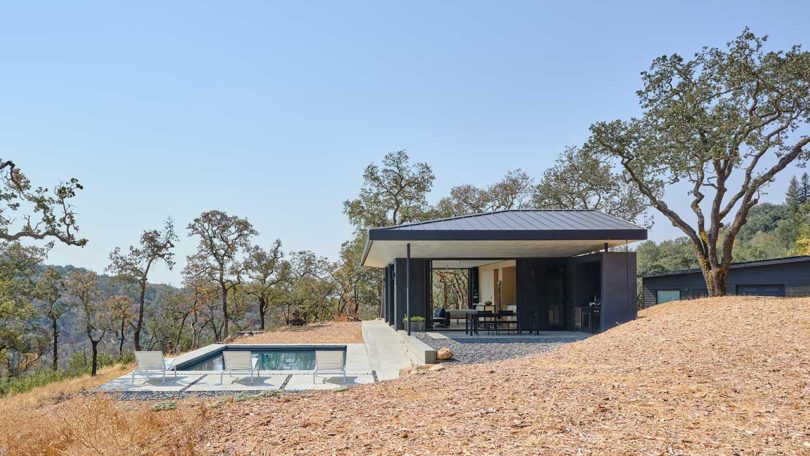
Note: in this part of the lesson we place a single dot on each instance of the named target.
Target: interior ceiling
(382, 253)
(462, 264)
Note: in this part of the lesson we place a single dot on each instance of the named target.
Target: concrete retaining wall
(417, 351)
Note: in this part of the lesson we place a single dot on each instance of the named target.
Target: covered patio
(526, 272)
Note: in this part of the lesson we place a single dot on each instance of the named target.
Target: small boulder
(444, 354)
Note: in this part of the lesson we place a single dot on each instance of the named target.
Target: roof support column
(408, 285)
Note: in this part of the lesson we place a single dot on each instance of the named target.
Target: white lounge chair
(237, 361)
(330, 362)
(152, 362)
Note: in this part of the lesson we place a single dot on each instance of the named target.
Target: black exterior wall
(618, 288)
(791, 275)
(420, 289)
(540, 281)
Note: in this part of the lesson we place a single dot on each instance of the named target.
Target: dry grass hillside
(711, 376)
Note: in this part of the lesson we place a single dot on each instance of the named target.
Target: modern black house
(788, 276)
(551, 268)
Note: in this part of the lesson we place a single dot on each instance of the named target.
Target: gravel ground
(496, 349)
(175, 395)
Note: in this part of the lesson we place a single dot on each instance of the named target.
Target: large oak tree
(266, 270)
(224, 242)
(136, 264)
(725, 122)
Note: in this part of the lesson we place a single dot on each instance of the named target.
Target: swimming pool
(267, 357)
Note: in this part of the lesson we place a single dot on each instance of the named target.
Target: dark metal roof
(517, 225)
(740, 265)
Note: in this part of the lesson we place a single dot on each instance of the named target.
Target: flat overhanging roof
(501, 235)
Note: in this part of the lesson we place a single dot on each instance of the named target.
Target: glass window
(761, 290)
(662, 296)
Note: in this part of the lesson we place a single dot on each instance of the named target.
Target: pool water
(267, 360)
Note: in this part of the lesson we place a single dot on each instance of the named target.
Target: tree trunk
(262, 311)
(121, 341)
(715, 276)
(94, 367)
(55, 330)
(180, 334)
(224, 312)
(139, 324)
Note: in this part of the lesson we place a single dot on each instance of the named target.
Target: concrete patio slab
(331, 382)
(359, 371)
(216, 382)
(151, 383)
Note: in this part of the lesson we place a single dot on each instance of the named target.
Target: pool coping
(210, 351)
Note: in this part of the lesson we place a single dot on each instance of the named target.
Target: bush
(30, 380)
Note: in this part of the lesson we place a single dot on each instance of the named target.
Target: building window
(662, 296)
(761, 290)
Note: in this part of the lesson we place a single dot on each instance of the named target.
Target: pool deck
(358, 372)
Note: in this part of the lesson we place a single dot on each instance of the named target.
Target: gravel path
(492, 349)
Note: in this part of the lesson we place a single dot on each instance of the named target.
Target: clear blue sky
(271, 110)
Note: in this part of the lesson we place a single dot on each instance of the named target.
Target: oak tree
(83, 286)
(266, 269)
(724, 122)
(50, 288)
(224, 241)
(580, 180)
(135, 265)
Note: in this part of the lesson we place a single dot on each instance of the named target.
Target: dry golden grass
(317, 333)
(712, 376)
(58, 419)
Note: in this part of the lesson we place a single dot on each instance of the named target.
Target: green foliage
(164, 406)
(134, 267)
(666, 256)
(39, 213)
(581, 180)
(311, 291)
(392, 194)
(22, 340)
(413, 319)
(30, 380)
(224, 241)
(514, 191)
(722, 123)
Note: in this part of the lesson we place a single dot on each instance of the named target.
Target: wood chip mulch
(710, 376)
(316, 333)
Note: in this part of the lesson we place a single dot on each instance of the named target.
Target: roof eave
(383, 234)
